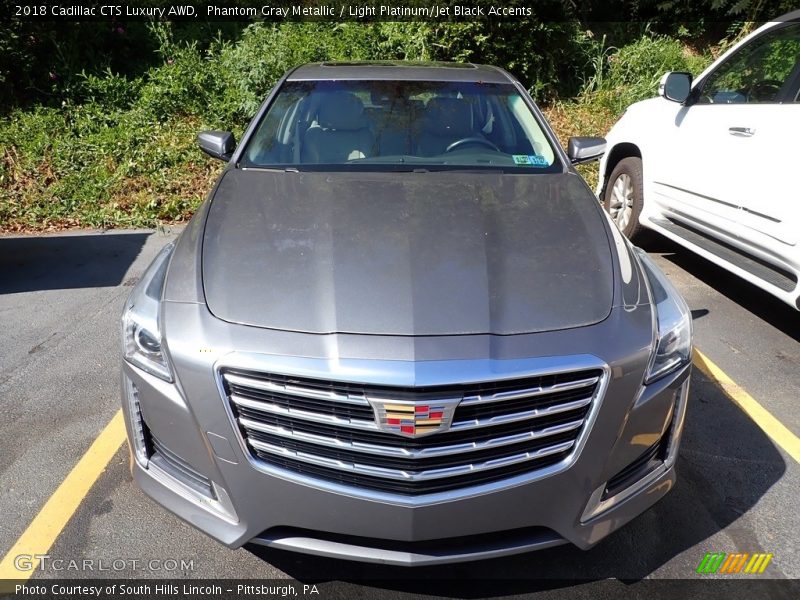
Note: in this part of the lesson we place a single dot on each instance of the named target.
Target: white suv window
(757, 72)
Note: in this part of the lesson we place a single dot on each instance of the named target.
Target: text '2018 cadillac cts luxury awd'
(401, 329)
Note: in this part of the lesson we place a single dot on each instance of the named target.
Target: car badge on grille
(414, 418)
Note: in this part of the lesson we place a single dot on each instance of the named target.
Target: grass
(123, 171)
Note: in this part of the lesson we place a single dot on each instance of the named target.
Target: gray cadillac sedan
(401, 329)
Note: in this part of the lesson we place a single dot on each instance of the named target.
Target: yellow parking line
(40, 535)
(776, 430)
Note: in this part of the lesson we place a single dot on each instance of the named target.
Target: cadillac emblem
(414, 418)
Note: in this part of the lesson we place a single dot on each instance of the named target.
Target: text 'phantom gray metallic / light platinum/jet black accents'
(402, 330)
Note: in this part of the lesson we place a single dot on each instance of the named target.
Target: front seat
(447, 120)
(340, 133)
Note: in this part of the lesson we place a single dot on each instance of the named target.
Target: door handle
(743, 131)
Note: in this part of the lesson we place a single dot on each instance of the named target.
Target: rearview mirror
(675, 86)
(585, 149)
(218, 144)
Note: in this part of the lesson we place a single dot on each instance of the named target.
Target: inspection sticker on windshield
(530, 159)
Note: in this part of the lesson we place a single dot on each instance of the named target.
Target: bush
(109, 90)
(182, 85)
(100, 169)
(117, 148)
(248, 69)
(626, 75)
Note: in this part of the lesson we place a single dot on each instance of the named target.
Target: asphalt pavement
(60, 301)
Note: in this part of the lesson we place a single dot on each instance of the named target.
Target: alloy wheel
(621, 202)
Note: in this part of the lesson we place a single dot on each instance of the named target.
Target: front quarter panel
(640, 125)
(184, 281)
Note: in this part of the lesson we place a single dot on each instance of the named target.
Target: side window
(757, 72)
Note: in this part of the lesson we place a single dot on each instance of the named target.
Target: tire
(623, 198)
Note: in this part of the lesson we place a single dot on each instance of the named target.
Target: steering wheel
(472, 140)
(764, 90)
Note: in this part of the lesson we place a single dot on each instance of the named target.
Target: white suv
(714, 164)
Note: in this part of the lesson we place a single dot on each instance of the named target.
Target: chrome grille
(327, 429)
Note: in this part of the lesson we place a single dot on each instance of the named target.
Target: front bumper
(238, 504)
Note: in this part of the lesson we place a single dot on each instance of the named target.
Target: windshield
(400, 125)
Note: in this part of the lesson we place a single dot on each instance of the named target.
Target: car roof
(400, 70)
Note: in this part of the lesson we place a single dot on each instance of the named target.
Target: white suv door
(733, 153)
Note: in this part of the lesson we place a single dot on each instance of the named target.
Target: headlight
(673, 347)
(141, 334)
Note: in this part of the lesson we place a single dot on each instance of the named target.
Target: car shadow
(726, 464)
(67, 261)
(753, 299)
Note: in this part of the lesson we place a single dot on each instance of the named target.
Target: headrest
(449, 116)
(341, 111)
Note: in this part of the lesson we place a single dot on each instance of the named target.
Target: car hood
(438, 253)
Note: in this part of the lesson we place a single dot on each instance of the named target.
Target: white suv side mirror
(675, 86)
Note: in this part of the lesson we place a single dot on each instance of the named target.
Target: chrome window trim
(414, 374)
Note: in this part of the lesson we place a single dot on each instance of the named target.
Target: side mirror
(675, 86)
(585, 149)
(218, 144)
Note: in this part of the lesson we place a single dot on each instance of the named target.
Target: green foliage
(112, 144)
(626, 75)
(247, 70)
(545, 56)
(117, 168)
(754, 10)
(46, 62)
(109, 90)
